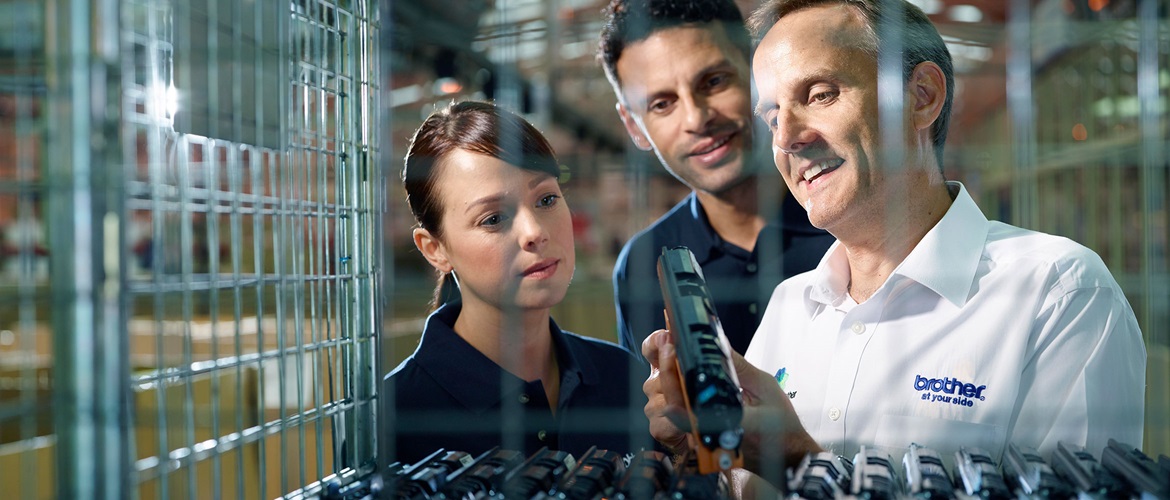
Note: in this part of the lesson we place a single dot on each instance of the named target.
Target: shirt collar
(948, 256)
(944, 261)
(830, 278)
(701, 239)
(474, 379)
(572, 360)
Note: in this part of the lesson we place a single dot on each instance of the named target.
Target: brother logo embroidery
(948, 390)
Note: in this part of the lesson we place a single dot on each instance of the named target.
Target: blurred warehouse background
(205, 260)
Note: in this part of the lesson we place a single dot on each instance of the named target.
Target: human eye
(660, 105)
(822, 95)
(548, 200)
(718, 80)
(492, 220)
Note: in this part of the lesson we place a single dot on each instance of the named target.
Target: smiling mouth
(820, 168)
(718, 144)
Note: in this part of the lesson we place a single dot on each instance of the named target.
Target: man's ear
(929, 88)
(633, 129)
(432, 249)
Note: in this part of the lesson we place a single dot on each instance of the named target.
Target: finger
(659, 390)
(671, 388)
(650, 347)
(663, 427)
(742, 366)
(668, 373)
(650, 386)
(662, 396)
(752, 380)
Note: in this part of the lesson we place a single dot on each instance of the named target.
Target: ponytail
(446, 290)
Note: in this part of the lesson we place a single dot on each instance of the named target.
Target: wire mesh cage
(26, 437)
(192, 199)
(193, 194)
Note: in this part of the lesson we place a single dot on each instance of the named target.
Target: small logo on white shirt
(949, 390)
(782, 378)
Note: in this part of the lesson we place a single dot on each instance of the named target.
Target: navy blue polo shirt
(740, 281)
(449, 395)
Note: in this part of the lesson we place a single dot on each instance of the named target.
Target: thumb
(751, 379)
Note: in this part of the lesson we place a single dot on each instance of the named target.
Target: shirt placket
(853, 334)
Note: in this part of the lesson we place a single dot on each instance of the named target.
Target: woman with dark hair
(494, 369)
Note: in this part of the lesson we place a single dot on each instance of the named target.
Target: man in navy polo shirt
(680, 72)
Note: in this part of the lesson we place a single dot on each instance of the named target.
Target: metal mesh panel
(190, 204)
(250, 277)
(188, 198)
(26, 444)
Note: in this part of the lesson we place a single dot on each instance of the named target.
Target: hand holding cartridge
(773, 434)
(710, 388)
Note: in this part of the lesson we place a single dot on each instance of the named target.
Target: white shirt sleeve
(1086, 377)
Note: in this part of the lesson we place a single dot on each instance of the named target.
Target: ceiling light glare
(965, 14)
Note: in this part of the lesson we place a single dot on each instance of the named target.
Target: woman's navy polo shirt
(449, 395)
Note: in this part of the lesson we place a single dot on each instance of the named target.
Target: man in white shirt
(925, 322)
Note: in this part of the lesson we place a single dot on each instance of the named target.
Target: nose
(791, 133)
(532, 232)
(698, 115)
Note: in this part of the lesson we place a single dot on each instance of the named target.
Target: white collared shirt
(985, 334)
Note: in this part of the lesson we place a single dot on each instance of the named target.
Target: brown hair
(920, 42)
(476, 127)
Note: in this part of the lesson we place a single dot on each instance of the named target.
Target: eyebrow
(804, 82)
(540, 179)
(723, 63)
(498, 197)
(486, 200)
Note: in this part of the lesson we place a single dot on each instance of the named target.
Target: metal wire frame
(82, 202)
(193, 203)
(213, 300)
(267, 251)
(25, 363)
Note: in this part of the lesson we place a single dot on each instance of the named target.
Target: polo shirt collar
(475, 380)
(945, 261)
(572, 360)
(699, 237)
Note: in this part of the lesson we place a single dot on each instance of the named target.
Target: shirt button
(541, 435)
(752, 308)
(523, 399)
(858, 328)
(834, 414)
(751, 267)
